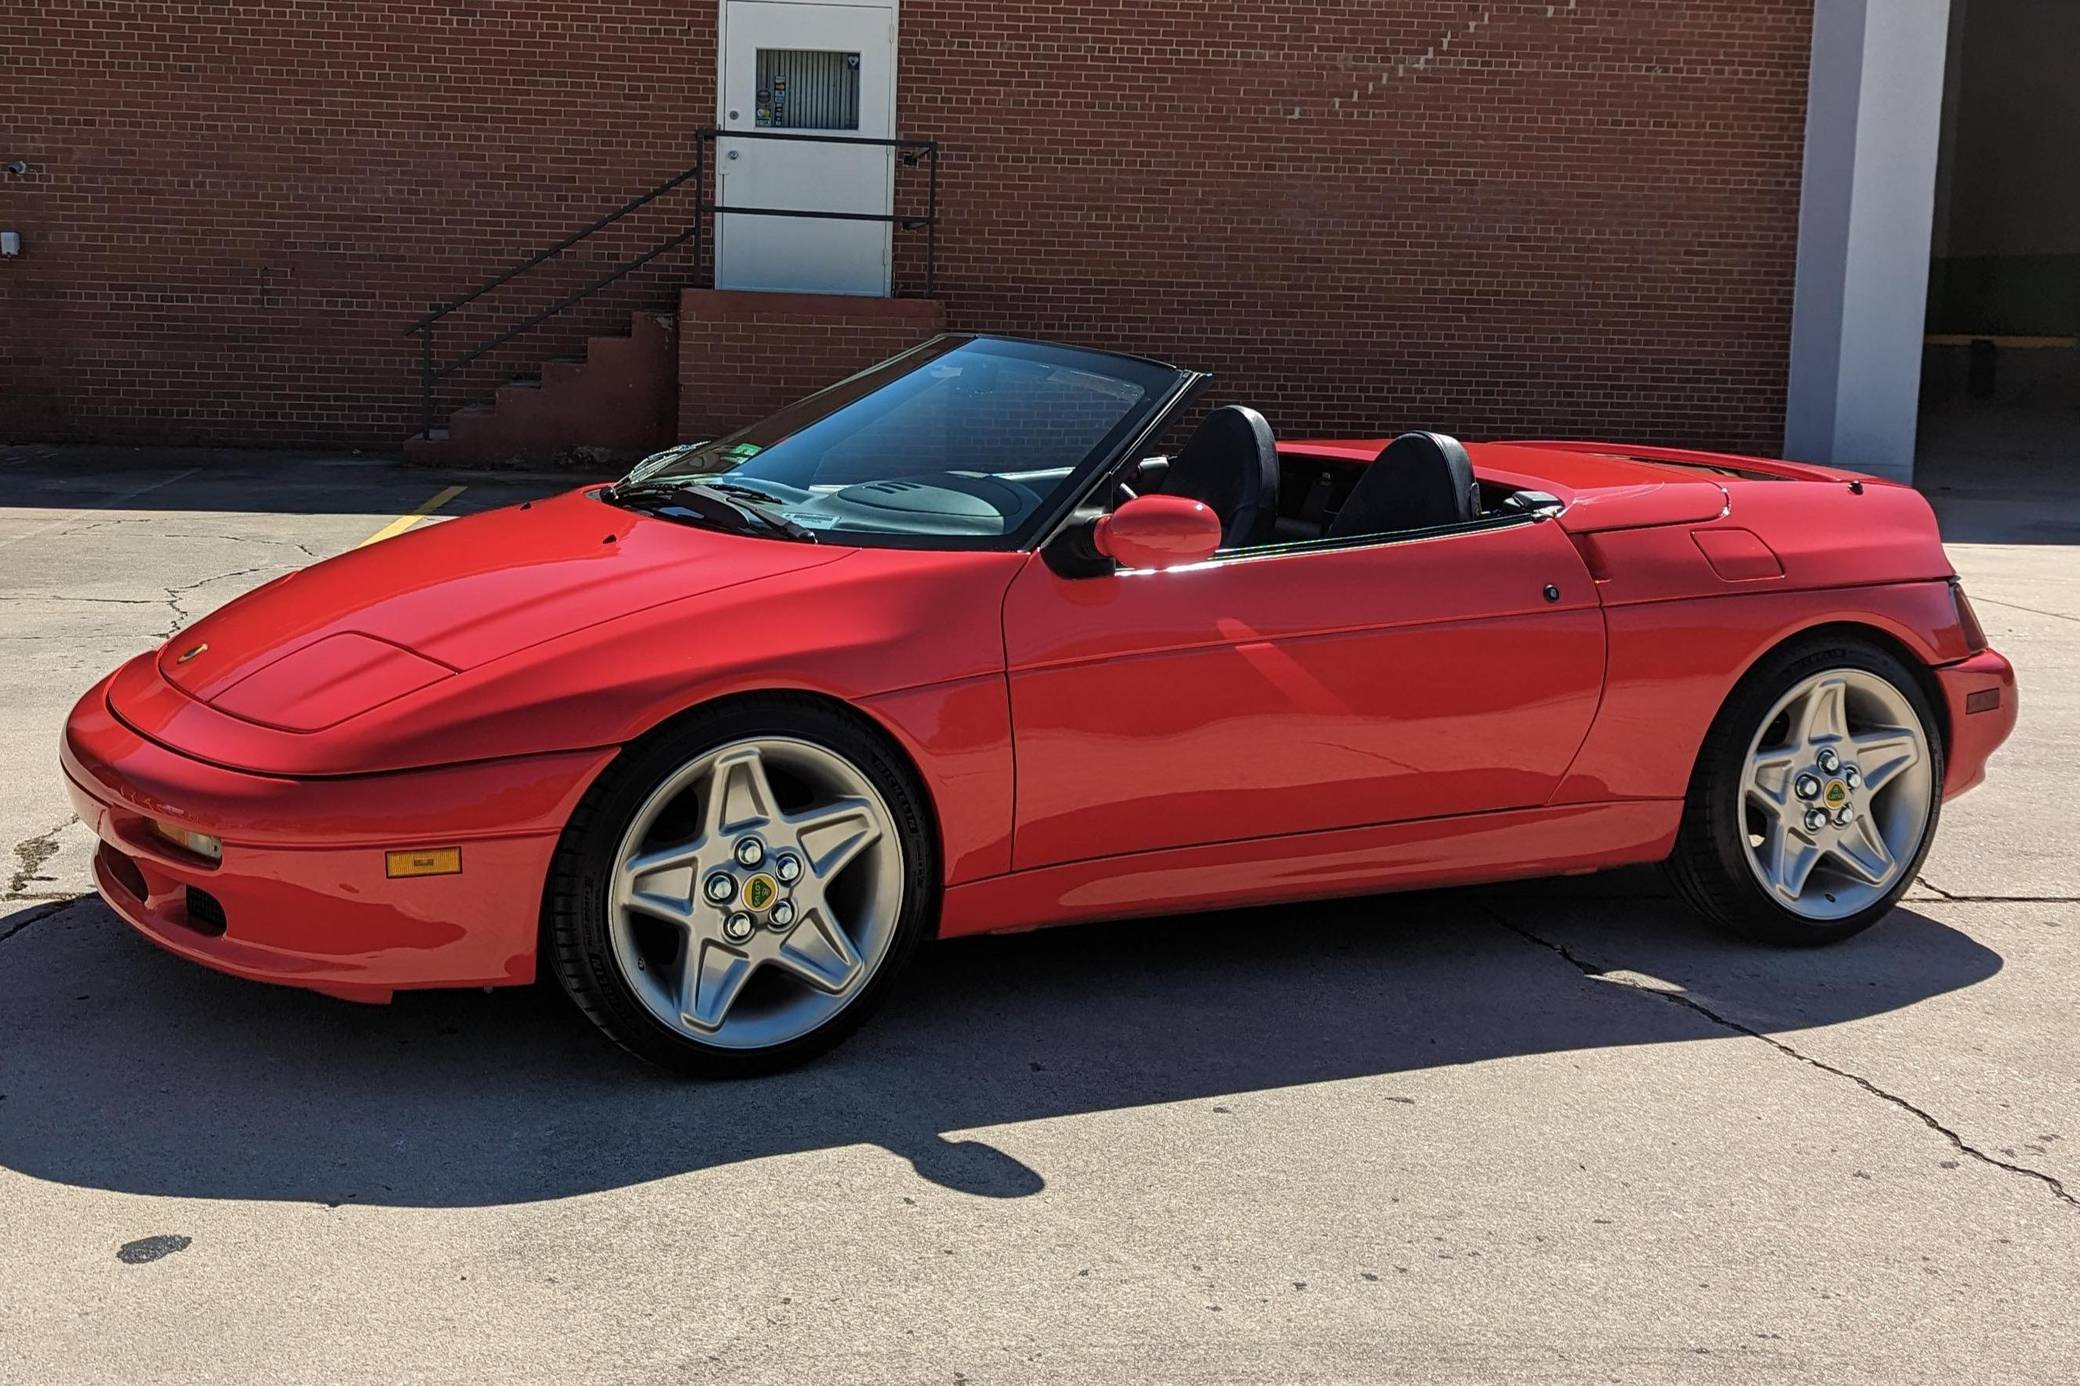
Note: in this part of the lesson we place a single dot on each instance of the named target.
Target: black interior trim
(1500, 519)
(1416, 481)
(1068, 552)
(1230, 464)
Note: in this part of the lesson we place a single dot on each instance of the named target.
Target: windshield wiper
(762, 499)
(719, 503)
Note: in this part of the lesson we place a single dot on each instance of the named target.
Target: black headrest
(1418, 481)
(1231, 464)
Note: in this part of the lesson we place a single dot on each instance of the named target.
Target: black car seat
(1418, 481)
(1231, 464)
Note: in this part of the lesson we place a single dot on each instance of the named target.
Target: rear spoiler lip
(1697, 457)
(1363, 450)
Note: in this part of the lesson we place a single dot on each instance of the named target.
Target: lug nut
(1851, 776)
(750, 851)
(737, 927)
(1807, 786)
(1816, 819)
(788, 867)
(1844, 816)
(719, 888)
(781, 915)
(1829, 761)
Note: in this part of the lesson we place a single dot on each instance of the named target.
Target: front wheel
(737, 894)
(1815, 796)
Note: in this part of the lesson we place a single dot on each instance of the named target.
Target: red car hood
(345, 635)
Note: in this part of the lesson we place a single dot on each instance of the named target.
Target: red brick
(1364, 215)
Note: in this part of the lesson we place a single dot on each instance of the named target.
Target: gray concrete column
(1873, 121)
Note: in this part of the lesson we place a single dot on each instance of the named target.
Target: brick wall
(1575, 217)
(234, 209)
(743, 356)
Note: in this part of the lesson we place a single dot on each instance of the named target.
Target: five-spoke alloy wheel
(1837, 793)
(1815, 795)
(737, 891)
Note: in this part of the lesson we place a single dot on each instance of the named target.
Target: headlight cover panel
(322, 684)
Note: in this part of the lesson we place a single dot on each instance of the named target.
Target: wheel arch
(1675, 666)
(1868, 632)
(889, 738)
(863, 718)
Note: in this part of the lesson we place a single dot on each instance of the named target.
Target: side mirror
(1158, 532)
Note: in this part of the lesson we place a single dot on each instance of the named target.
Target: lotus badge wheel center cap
(760, 892)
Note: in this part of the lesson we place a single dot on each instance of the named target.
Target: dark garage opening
(2000, 393)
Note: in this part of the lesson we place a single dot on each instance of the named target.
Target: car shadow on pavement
(61, 478)
(124, 1068)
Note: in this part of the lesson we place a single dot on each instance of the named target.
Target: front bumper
(1979, 703)
(301, 896)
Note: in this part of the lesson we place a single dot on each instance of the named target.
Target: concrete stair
(617, 402)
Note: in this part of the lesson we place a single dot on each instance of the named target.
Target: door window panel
(807, 89)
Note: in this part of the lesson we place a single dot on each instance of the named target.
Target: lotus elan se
(953, 647)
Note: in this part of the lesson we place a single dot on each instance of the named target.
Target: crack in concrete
(2032, 610)
(302, 547)
(95, 514)
(1957, 1142)
(174, 594)
(156, 521)
(1950, 897)
(72, 530)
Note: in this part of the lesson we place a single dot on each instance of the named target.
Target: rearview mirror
(1158, 532)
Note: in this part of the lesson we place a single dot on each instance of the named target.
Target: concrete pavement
(1554, 1132)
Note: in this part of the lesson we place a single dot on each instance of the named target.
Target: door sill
(1462, 850)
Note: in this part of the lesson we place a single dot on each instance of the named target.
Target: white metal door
(805, 69)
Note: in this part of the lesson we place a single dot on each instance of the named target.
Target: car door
(1296, 690)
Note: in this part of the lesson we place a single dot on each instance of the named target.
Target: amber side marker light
(1985, 700)
(201, 844)
(423, 861)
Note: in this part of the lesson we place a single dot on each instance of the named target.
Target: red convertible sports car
(953, 646)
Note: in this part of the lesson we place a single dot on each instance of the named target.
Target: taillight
(1968, 619)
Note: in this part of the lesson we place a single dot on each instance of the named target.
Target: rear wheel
(1815, 797)
(737, 894)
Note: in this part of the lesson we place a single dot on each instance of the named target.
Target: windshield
(963, 442)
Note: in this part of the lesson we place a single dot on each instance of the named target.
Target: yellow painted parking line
(406, 521)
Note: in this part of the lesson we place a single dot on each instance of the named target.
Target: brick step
(617, 402)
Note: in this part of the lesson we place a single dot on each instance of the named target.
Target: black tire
(575, 902)
(1709, 865)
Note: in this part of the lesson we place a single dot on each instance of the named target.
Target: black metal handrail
(909, 152)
